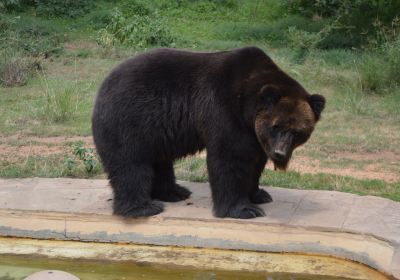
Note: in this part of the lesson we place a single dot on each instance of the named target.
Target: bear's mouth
(280, 164)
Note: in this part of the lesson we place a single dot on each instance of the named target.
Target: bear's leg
(132, 187)
(256, 194)
(229, 180)
(164, 186)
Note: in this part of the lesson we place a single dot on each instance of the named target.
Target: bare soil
(383, 166)
(377, 170)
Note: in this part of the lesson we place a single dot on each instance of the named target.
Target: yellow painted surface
(207, 259)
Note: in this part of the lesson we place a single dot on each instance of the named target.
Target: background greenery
(55, 53)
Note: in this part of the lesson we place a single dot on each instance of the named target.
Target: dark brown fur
(166, 104)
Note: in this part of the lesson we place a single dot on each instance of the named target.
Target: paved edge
(189, 258)
(368, 250)
(373, 250)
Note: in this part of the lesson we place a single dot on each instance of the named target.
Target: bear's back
(163, 99)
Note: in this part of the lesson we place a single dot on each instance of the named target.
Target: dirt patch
(57, 140)
(383, 166)
(388, 157)
(13, 154)
(81, 45)
(304, 164)
(14, 148)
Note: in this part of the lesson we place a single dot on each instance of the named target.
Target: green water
(17, 268)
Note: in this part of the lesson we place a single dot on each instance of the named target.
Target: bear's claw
(261, 196)
(149, 209)
(175, 194)
(245, 211)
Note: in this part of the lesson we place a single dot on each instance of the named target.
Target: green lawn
(358, 133)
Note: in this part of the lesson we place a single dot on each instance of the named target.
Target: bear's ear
(317, 103)
(270, 94)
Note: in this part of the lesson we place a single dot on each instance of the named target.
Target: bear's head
(284, 120)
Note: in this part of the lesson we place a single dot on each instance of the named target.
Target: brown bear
(165, 104)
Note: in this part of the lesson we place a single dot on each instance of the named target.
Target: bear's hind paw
(175, 194)
(261, 196)
(149, 209)
(246, 211)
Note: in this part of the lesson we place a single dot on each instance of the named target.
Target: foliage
(64, 8)
(304, 42)
(51, 8)
(15, 69)
(380, 64)
(30, 36)
(135, 7)
(60, 100)
(15, 5)
(99, 19)
(194, 169)
(357, 17)
(380, 69)
(274, 32)
(136, 30)
(87, 156)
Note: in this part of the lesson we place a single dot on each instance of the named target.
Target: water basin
(112, 261)
(19, 267)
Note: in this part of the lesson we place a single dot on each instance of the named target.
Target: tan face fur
(283, 128)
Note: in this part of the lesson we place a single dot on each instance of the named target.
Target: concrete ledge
(190, 258)
(362, 229)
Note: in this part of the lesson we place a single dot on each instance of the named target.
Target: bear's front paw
(245, 211)
(177, 193)
(260, 196)
(150, 208)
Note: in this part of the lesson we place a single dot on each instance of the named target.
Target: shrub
(137, 31)
(99, 19)
(64, 8)
(356, 18)
(379, 69)
(380, 66)
(135, 7)
(83, 162)
(15, 69)
(60, 101)
(275, 32)
(31, 37)
(15, 5)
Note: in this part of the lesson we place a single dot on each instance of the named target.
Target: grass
(73, 161)
(194, 169)
(363, 101)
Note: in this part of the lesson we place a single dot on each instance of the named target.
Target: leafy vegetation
(54, 55)
(85, 156)
(194, 169)
(63, 8)
(135, 30)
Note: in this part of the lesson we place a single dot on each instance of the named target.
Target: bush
(99, 19)
(379, 69)
(15, 69)
(15, 5)
(84, 158)
(356, 18)
(275, 31)
(138, 31)
(64, 8)
(30, 36)
(136, 7)
(380, 66)
(61, 101)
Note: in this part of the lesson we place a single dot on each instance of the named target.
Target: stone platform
(363, 229)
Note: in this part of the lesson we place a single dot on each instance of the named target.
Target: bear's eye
(275, 129)
(299, 136)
